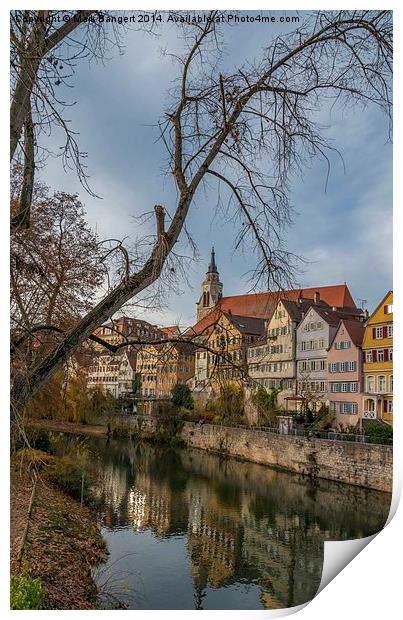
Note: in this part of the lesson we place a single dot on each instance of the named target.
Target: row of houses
(313, 346)
(146, 370)
(315, 356)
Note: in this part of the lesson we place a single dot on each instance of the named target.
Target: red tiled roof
(170, 330)
(261, 305)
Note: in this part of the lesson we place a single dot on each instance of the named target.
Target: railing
(298, 432)
(369, 415)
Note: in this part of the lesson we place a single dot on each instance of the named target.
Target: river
(186, 529)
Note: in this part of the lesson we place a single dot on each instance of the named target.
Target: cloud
(345, 232)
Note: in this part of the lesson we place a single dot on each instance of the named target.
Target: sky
(342, 229)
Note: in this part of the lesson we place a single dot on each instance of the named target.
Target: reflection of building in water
(287, 556)
(213, 541)
(245, 524)
(226, 546)
(152, 505)
(111, 492)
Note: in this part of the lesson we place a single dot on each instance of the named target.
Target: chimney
(316, 297)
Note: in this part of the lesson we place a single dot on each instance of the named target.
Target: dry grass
(63, 542)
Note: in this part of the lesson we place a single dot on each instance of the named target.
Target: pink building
(344, 373)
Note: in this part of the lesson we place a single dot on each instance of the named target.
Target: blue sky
(343, 231)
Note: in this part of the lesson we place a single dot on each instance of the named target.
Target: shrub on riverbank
(230, 403)
(379, 433)
(182, 396)
(71, 469)
(26, 593)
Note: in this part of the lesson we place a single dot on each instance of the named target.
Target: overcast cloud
(344, 231)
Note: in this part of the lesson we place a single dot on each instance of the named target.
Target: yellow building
(162, 366)
(378, 363)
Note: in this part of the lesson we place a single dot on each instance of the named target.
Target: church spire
(212, 268)
(211, 289)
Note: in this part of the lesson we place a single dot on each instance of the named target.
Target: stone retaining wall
(360, 464)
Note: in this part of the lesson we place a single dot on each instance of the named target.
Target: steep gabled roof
(381, 303)
(333, 317)
(247, 324)
(262, 305)
(298, 309)
(355, 330)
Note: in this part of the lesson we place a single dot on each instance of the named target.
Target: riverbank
(365, 465)
(63, 542)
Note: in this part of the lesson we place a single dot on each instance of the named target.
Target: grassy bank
(166, 433)
(62, 543)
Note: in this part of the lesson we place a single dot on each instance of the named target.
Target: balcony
(369, 415)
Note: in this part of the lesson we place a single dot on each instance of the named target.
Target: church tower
(211, 289)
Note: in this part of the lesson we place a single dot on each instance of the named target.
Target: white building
(113, 373)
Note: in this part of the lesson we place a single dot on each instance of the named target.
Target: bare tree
(248, 131)
(45, 48)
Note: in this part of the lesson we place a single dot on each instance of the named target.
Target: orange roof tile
(261, 305)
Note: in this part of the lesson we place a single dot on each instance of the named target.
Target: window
(380, 355)
(344, 387)
(348, 408)
(381, 383)
(388, 309)
(390, 406)
(353, 387)
(379, 332)
(322, 386)
(343, 344)
(351, 366)
(333, 367)
(368, 356)
(391, 383)
(390, 331)
(370, 384)
(335, 387)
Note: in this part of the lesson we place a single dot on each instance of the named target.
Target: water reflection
(202, 532)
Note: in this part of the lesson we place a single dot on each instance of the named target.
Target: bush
(26, 593)
(188, 414)
(266, 403)
(379, 433)
(67, 469)
(34, 458)
(182, 396)
(230, 403)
